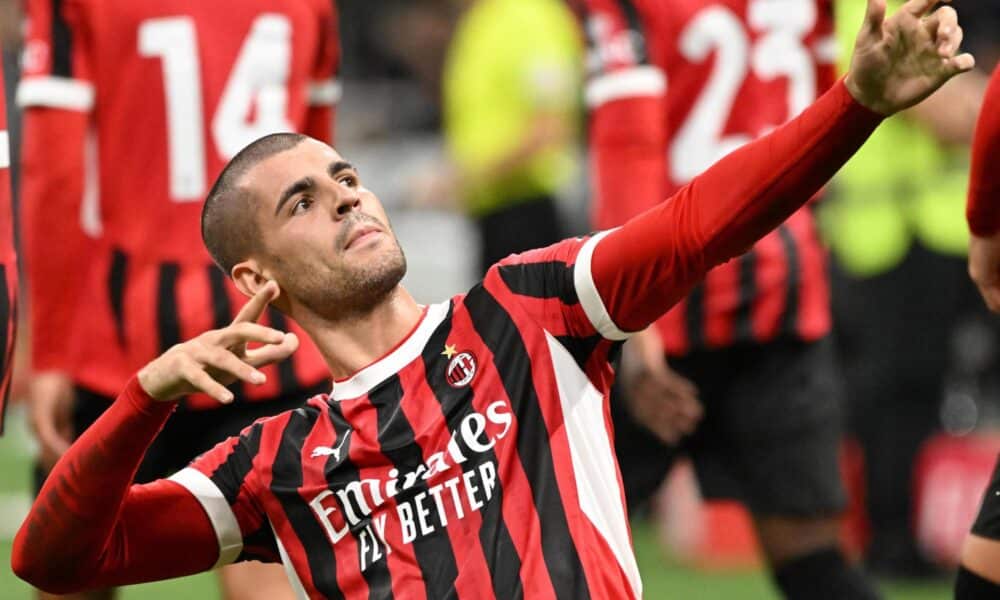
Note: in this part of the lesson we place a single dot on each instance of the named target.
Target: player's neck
(350, 345)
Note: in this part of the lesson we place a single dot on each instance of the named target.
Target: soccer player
(8, 265)
(131, 110)
(979, 572)
(464, 450)
(672, 87)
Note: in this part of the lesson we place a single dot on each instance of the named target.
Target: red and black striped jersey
(8, 265)
(132, 110)
(984, 178)
(473, 461)
(674, 86)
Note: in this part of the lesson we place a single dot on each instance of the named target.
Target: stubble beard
(353, 291)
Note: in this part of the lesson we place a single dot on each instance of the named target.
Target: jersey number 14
(258, 80)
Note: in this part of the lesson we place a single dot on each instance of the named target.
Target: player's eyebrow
(338, 166)
(302, 185)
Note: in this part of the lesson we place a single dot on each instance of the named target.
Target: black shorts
(987, 523)
(770, 437)
(187, 433)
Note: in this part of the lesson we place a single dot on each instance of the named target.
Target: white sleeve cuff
(590, 298)
(55, 92)
(227, 530)
(324, 93)
(627, 83)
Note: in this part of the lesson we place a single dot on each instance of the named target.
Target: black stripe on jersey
(790, 319)
(541, 280)
(502, 559)
(694, 316)
(260, 545)
(580, 348)
(116, 291)
(510, 357)
(222, 308)
(229, 476)
(167, 327)
(285, 483)
(634, 21)
(287, 381)
(62, 42)
(398, 443)
(338, 475)
(7, 320)
(747, 291)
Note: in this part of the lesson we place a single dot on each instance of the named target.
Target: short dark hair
(228, 218)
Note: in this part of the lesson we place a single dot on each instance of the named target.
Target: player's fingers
(959, 64)
(254, 307)
(946, 30)
(273, 353)
(201, 381)
(918, 8)
(247, 331)
(227, 362)
(874, 18)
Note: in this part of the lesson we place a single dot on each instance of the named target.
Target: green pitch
(661, 577)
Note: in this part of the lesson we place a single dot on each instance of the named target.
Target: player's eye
(301, 205)
(348, 179)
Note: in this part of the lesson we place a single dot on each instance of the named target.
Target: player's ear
(248, 277)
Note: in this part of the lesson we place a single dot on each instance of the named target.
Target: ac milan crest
(461, 370)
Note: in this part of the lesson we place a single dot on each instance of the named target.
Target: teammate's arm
(643, 268)
(983, 210)
(324, 87)
(89, 527)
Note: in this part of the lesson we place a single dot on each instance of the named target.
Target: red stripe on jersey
(814, 318)
(772, 277)
(721, 298)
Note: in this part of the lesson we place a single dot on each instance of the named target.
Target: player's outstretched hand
(219, 357)
(899, 61)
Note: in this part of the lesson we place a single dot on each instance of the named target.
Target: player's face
(326, 238)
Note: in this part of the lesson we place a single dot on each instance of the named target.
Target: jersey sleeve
(983, 209)
(56, 67)
(625, 94)
(324, 86)
(224, 482)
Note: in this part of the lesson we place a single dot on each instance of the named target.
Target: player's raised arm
(651, 262)
(89, 527)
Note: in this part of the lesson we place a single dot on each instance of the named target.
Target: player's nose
(346, 200)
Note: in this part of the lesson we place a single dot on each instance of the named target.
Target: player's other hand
(219, 357)
(51, 397)
(899, 61)
(656, 396)
(984, 268)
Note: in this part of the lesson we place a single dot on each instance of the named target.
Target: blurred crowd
(479, 123)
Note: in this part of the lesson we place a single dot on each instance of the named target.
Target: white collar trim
(364, 380)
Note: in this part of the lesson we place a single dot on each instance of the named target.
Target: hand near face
(899, 61)
(219, 357)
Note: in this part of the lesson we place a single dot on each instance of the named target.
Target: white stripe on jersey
(590, 298)
(627, 83)
(227, 530)
(55, 92)
(601, 497)
(293, 576)
(4, 150)
(324, 93)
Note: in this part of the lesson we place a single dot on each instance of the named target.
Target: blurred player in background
(8, 265)
(510, 111)
(979, 572)
(131, 111)
(672, 88)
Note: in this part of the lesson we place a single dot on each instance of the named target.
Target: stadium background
(389, 123)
